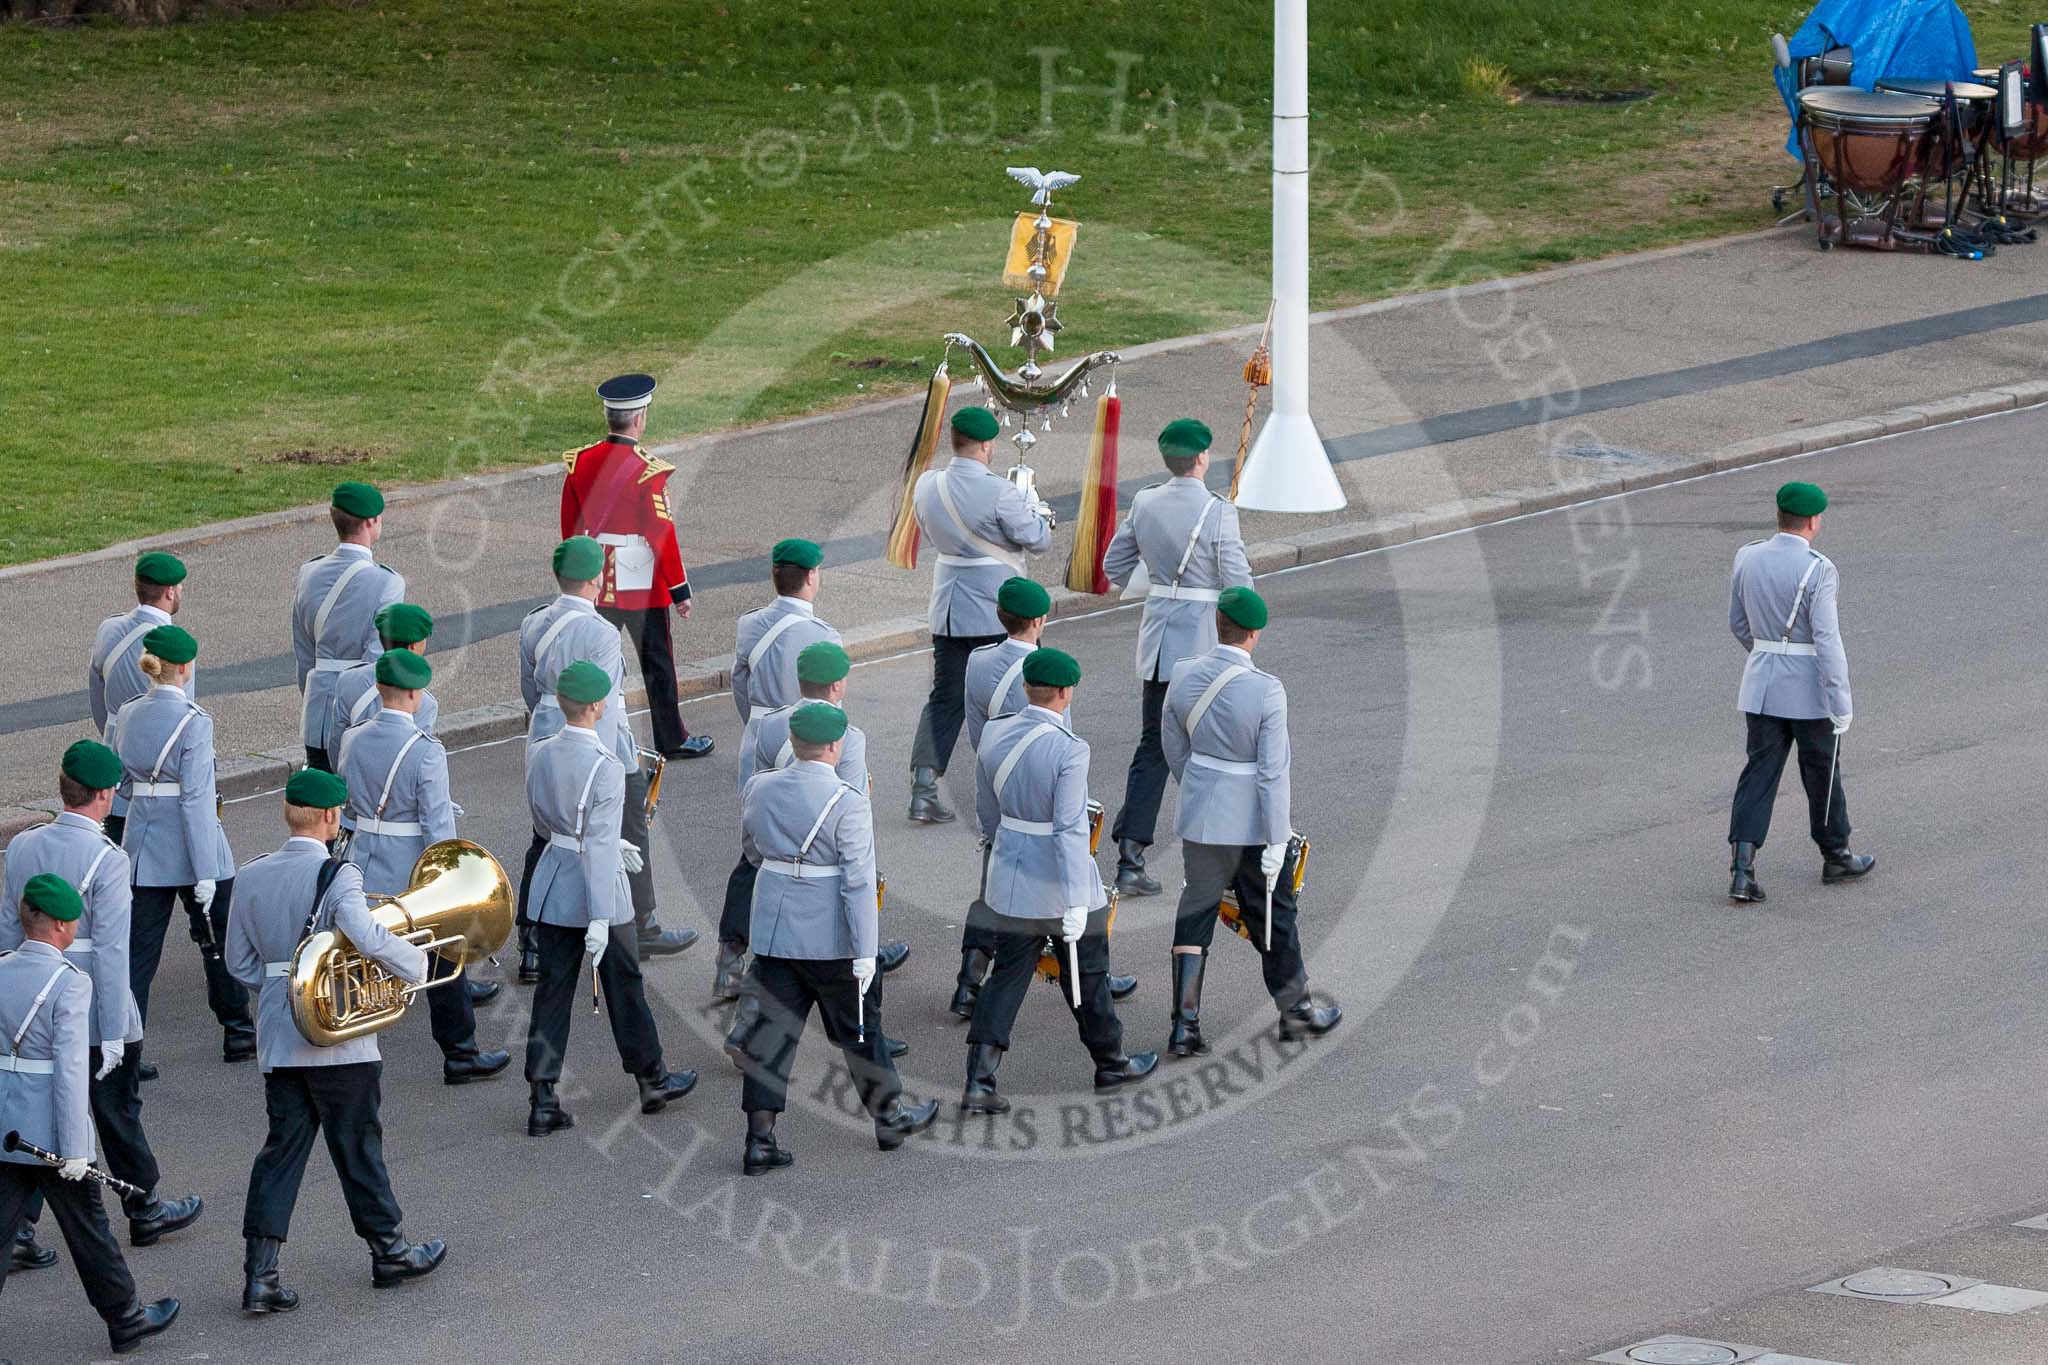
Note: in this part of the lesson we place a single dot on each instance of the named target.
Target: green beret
(1802, 500)
(403, 668)
(1051, 668)
(92, 764)
(976, 424)
(583, 681)
(1244, 607)
(579, 559)
(159, 568)
(311, 787)
(1185, 438)
(405, 623)
(817, 722)
(358, 500)
(823, 662)
(172, 644)
(805, 554)
(51, 894)
(1024, 597)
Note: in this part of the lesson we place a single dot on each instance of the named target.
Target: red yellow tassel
(903, 534)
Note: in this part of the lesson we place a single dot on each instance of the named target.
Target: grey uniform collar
(310, 844)
(349, 547)
(41, 949)
(144, 611)
(583, 732)
(76, 821)
(796, 604)
(1234, 652)
(1044, 713)
(575, 603)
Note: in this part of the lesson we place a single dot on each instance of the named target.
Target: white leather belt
(80, 945)
(610, 538)
(568, 843)
(277, 969)
(803, 872)
(1224, 765)
(969, 561)
(1782, 647)
(1185, 594)
(154, 789)
(28, 1066)
(398, 829)
(334, 665)
(1012, 823)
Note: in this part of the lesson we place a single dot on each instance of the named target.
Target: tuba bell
(459, 905)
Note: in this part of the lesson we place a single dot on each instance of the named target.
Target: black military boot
(974, 963)
(895, 1047)
(1113, 1071)
(656, 941)
(1186, 1038)
(529, 957)
(544, 1113)
(1841, 865)
(238, 1040)
(890, 956)
(980, 1097)
(1305, 1018)
(261, 1293)
(141, 1320)
(1122, 987)
(1742, 883)
(482, 992)
(925, 806)
(27, 1254)
(762, 1155)
(899, 1121)
(662, 1086)
(474, 1066)
(393, 1260)
(1131, 877)
(150, 1218)
(732, 964)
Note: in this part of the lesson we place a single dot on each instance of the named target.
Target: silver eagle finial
(1041, 183)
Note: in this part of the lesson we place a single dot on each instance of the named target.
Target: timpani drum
(1865, 145)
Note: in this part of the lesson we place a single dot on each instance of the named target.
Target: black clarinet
(15, 1142)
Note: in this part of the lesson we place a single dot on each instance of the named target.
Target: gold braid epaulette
(569, 460)
(654, 466)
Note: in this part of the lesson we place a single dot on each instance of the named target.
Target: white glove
(74, 1168)
(629, 854)
(111, 1053)
(203, 893)
(456, 807)
(864, 973)
(1841, 723)
(1271, 860)
(595, 939)
(1074, 922)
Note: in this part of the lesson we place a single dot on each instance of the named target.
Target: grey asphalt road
(1578, 1101)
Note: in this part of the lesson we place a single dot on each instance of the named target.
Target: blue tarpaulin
(1912, 39)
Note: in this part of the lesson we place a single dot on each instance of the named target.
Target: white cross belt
(803, 872)
(1177, 594)
(1783, 647)
(1011, 822)
(399, 829)
(1224, 765)
(154, 789)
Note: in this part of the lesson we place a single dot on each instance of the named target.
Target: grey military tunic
(45, 1031)
(764, 657)
(979, 525)
(173, 837)
(75, 849)
(273, 899)
(771, 749)
(113, 675)
(398, 800)
(1781, 608)
(1035, 809)
(551, 638)
(995, 686)
(1188, 540)
(1233, 761)
(576, 790)
(813, 838)
(355, 700)
(334, 624)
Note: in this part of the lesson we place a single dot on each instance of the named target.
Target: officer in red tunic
(617, 492)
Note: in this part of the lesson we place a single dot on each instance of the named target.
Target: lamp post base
(1287, 469)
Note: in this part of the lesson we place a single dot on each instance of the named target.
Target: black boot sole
(393, 1281)
(1136, 890)
(547, 1126)
(1828, 878)
(963, 1007)
(257, 1310)
(472, 1077)
(993, 1104)
(1753, 896)
(151, 1238)
(760, 1168)
(1201, 1049)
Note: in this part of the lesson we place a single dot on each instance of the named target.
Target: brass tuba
(459, 905)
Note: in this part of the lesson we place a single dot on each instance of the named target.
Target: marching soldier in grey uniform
(576, 789)
(764, 680)
(402, 625)
(981, 526)
(335, 606)
(550, 637)
(1031, 788)
(45, 1012)
(1224, 728)
(1186, 540)
(995, 688)
(288, 895)
(397, 776)
(72, 848)
(113, 677)
(174, 837)
(814, 934)
(1795, 690)
(822, 669)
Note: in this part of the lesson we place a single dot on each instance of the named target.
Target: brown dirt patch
(337, 455)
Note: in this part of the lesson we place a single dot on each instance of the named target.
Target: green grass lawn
(406, 237)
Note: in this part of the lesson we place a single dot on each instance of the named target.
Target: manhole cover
(1682, 1353)
(1896, 1284)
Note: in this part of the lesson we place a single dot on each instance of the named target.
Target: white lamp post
(1287, 469)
